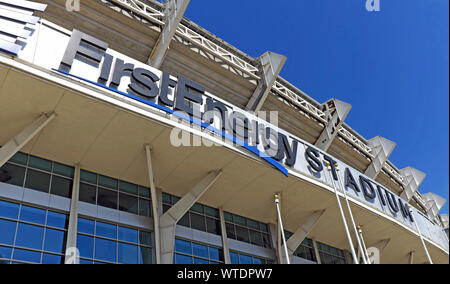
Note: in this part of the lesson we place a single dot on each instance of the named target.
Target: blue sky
(392, 65)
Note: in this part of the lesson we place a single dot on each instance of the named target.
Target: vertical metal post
(226, 249)
(420, 235)
(366, 253)
(277, 200)
(71, 255)
(347, 232)
(154, 203)
(316, 251)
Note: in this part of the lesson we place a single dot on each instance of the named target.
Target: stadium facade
(90, 102)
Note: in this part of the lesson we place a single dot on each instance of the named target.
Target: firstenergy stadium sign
(186, 100)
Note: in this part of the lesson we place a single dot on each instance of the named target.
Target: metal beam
(173, 11)
(226, 248)
(336, 112)
(154, 203)
(303, 231)
(71, 255)
(271, 63)
(382, 149)
(412, 179)
(169, 220)
(17, 143)
(411, 257)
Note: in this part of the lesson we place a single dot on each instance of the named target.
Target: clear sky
(392, 65)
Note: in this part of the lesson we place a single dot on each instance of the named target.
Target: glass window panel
(128, 203)
(32, 215)
(145, 238)
(7, 232)
(213, 226)
(88, 177)
(128, 254)
(242, 234)
(128, 235)
(184, 221)
(200, 261)
(51, 259)
(183, 246)
(253, 224)
(258, 260)
(175, 200)
(54, 240)
(105, 250)
(128, 187)
(84, 261)
(245, 259)
(144, 191)
(211, 211)
(239, 220)
(266, 241)
(29, 236)
(197, 208)
(198, 222)
(165, 208)
(199, 250)
(256, 238)
(264, 227)
(63, 170)
(182, 259)
(145, 208)
(5, 253)
(57, 220)
(9, 210)
(85, 226)
(228, 217)
(106, 230)
(107, 182)
(88, 193)
(86, 246)
(26, 255)
(234, 258)
(107, 198)
(12, 174)
(214, 254)
(61, 187)
(20, 158)
(167, 198)
(145, 255)
(38, 181)
(230, 231)
(40, 163)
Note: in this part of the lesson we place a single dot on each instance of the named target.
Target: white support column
(174, 11)
(337, 112)
(420, 235)
(412, 179)
(169, 220)
(316, 251)
(15, 144)
(302, 232)
(154, 197)
(411, 257)
(226, 249)
(382, 149)
(280, 225)
(72, 256)
(272, 63)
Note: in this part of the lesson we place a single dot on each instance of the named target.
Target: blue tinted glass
(182, 259)
(200, 261)
(105, 250)
(214, 253)
(83, 261)
(128, 235)
(183, 246)
(106, 230)
(245, 259)
(234, 258)
(257, 260)
(9, 210)
(26, 255)
(57, 220)
(128, 254)
(8, 230)
(40, 163)
(29, 236)
(86, 246)
(200, 250)
(145, 255)
(32, 215)
(85, 226)
(54, 241)
(51, 259)
(5, 253)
